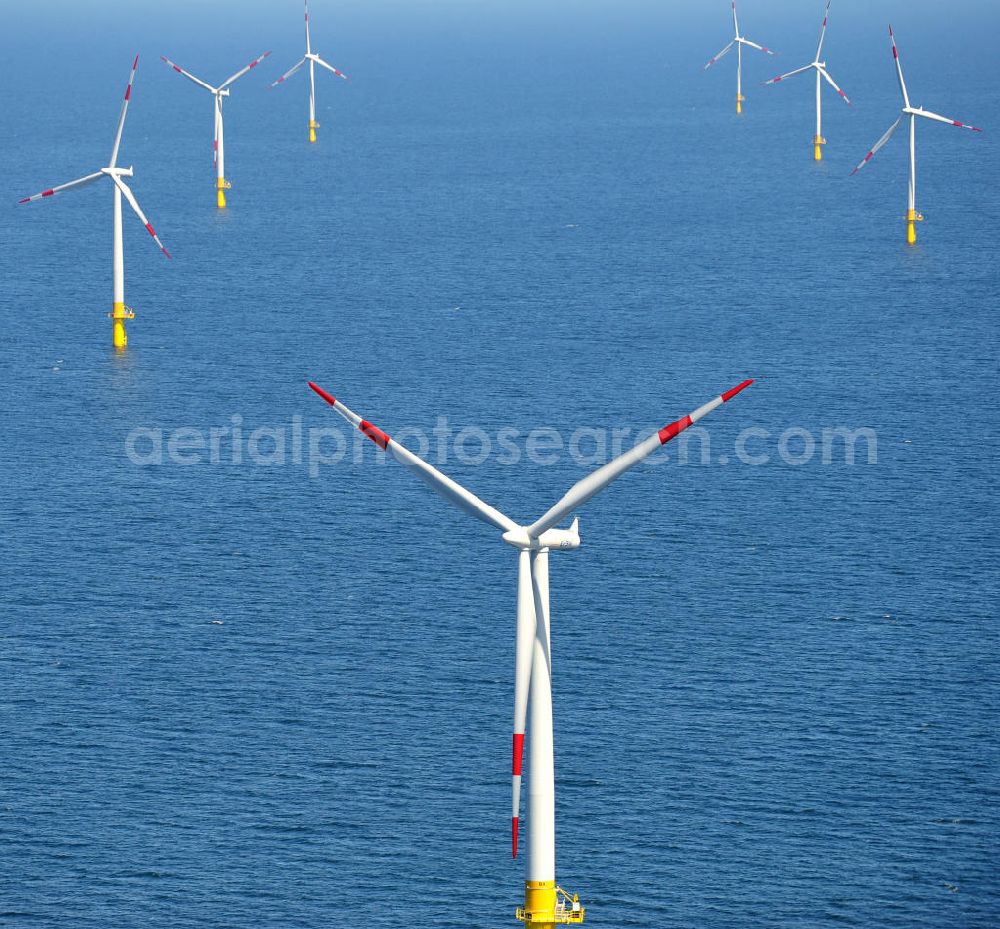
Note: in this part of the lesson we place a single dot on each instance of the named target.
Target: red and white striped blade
(586, 488)
(289, 73)
(253, 64)
(121, 116)
(899, 68)
(760, 48)
(523, 646)
(52, 191)
(781, 77)
(452, 491)
(330, 67)
(187, 74)
(946, 119)
(833, 84)
(717, 57)
(822, 31)
(885, 138)
(138, 212)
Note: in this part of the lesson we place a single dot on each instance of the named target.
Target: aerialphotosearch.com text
(237, 443)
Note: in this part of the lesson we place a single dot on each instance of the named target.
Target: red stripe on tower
(668, 432)
(374, 433)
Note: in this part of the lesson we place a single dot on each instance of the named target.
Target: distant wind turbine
(545, 902)
(912, 216)
(120, 312)
(313, 60)
(821, 74)
(739, 41)
(221, 184)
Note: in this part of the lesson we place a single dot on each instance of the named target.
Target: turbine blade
(289, 73)
(253, 64)
(822, 31)
(121, 117)
(123, 187)
(524, 643)
(878, 145)
(308, 45)
(760, 48)
(595, 482)
(833, 84)
(946, 119)
(736, 22)
(781, 77)
(190, 77)
(52, 191)
(899, 68)
(464, 499)
(717, 57)
(330, 67)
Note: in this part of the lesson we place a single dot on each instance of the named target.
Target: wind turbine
(222, 185)
(313, 60)
(739, 41)
(120, 312)
(545, 903)
(912, 216)
(821, 73)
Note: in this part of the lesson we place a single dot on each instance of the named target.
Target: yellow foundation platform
(818, 141)
(739, 103)
(118, 317)
(221, 187)
(912, 216)
(313, 126)
(548, 905)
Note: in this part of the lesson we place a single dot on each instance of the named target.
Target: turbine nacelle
(560, 539)
(112, 171)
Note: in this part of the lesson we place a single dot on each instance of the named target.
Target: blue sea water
(240, 695)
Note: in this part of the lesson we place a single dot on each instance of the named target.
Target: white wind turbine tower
(821, 75)
(313, 60)
(221, 184)
(120, 312)
(545, 903)
(912, 216)
(739, 41)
